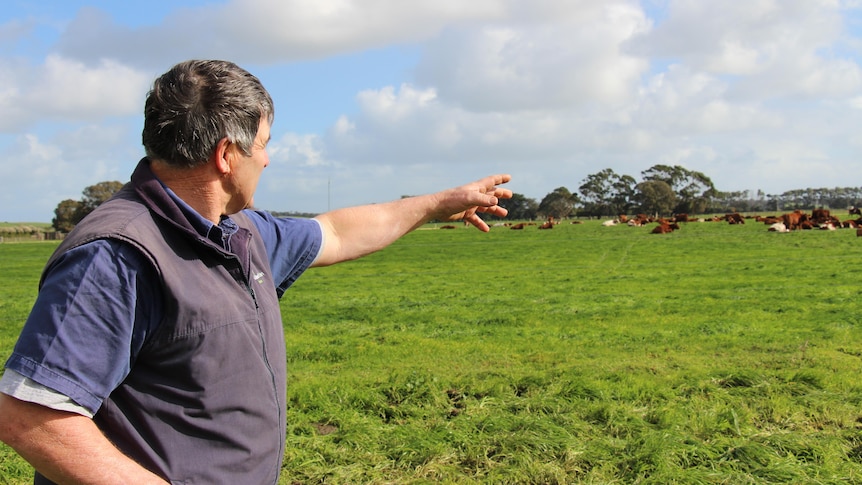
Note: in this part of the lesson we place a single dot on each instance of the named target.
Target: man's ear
(222, 156)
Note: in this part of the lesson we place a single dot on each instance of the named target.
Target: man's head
(198, 103)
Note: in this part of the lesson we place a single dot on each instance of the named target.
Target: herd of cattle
(791, 221)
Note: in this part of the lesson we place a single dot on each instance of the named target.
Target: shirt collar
(219, 234)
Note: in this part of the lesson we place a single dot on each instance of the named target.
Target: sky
(377, 99)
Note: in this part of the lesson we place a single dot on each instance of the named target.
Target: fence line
(30, 237)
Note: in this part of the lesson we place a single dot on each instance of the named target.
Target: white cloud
(775, 48)
(64, 89)
(265, 31)
(297, 150)
(315, 27)
(44, 171)
(14, 31)
(573, 58)
(680, 102)
(38, 180)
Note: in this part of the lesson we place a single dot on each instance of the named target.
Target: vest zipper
(265, 354)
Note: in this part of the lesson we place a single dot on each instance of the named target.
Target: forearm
(357, 231)
(66, 447)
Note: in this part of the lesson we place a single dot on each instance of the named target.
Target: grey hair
(196, 104)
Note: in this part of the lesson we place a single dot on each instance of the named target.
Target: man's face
(246, 170)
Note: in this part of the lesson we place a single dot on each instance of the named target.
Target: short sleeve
(97, 304)
(292, 245)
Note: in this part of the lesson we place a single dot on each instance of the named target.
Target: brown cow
(665, 228)
(793, 219)
(735, 218)
(640, 220)
(819, 216)
(547, 225)
(854, 210)
(519, 225)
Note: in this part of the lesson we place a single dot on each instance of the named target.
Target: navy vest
(205, 399)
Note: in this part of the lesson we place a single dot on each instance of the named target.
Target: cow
(640, 220)
(734, 218)
(770, 220)
(793, 219)
(854, 210)
(547, 225)
(665, 228)
(680, 218)
(447, 227)
(520, 225)
(820, 216)
(612, 222)
(778, 227)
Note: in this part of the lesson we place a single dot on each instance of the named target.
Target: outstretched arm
(66, 447)
(356, 231)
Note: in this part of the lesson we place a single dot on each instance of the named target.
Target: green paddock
(716, 354)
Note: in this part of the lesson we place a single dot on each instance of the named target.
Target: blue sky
(383, 98)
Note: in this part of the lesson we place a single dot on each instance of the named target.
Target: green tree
(66, 215)
(560, 203)
(95, 195)
(656, 197)
(623, 195)
(70, 212)
(607, 194)
(520, 207)
(694, 190)
(596, 191)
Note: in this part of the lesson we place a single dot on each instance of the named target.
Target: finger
(502, 193)
(494, 210)
(494, 195)
(490, 182)
(477, 222)
(501, 178)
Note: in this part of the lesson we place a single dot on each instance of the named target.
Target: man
(155, 352)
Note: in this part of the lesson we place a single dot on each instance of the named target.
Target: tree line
(663, 190)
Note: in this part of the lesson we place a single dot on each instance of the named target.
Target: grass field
(584, 354)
